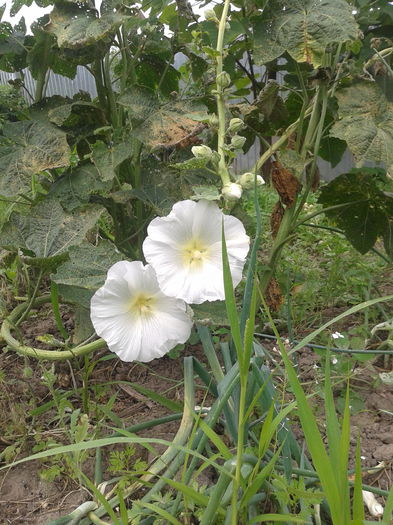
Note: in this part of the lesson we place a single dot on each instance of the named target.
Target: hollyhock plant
(137, 321)
(185, 249)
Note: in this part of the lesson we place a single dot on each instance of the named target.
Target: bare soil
(25, 498)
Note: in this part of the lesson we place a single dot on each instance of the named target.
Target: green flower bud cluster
(246, 181)
(237, 142)
(211, 15)
(223, 80)
(204, 152)
(235, 125)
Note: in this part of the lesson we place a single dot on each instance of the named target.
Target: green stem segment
(38, 353)
(221, 110)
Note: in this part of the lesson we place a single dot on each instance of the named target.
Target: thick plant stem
(221, 110)
(314, 129)
(98, 75)
(39, 353)
(113, 115)
(278, 244)
(43, 71)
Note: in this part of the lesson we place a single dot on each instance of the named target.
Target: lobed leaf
(87, 266)
(48, 231)
(369, 211)
(32, 148)
(303, 28)
(366, 122)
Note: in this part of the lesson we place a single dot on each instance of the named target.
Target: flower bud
(232, 191)
(247, 181)
(237, 142)
(211, 15)
(202, 152)
(213, 121)
(235, 124)
(223, 80)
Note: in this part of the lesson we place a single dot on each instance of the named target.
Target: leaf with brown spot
(29, 148)
(273, 296)
(47, 230)
(169, 125)
(276, 218)
(303, 28)
(285, 183)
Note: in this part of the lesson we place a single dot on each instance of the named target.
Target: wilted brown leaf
(285, 183)
(273, 295)
(316, 179)
(276, 218)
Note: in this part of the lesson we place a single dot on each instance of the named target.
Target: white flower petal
(185, 250)
(133, 316)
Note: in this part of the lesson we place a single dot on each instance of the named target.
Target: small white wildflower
(337, 335)
(334, 360)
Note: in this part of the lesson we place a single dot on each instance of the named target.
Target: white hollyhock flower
(137, 321)
(185, 249)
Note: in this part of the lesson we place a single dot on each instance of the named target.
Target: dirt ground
(26, 498)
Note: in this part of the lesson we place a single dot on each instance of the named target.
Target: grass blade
(313, 437)
(230, 302)
(358, 506)
(160, 512)
(351, 311)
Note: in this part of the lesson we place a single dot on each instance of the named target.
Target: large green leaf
(366, 122)
(304, 28)
(73, 189)
(107, 159)
(167, 125)
(12, 46)
(45, 54)
(87, 265)
(85, 271)
(32, 147)
(48, 231)
(76, 25)
(369, 211)
(9, 205)
(211, 314)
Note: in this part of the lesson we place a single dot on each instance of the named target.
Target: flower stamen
(142, 305)
(194, 253)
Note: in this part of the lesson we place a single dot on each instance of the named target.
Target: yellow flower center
(142, 305)
(195, 253)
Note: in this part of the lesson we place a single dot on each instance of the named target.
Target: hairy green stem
(290, 214)
(221, 109)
